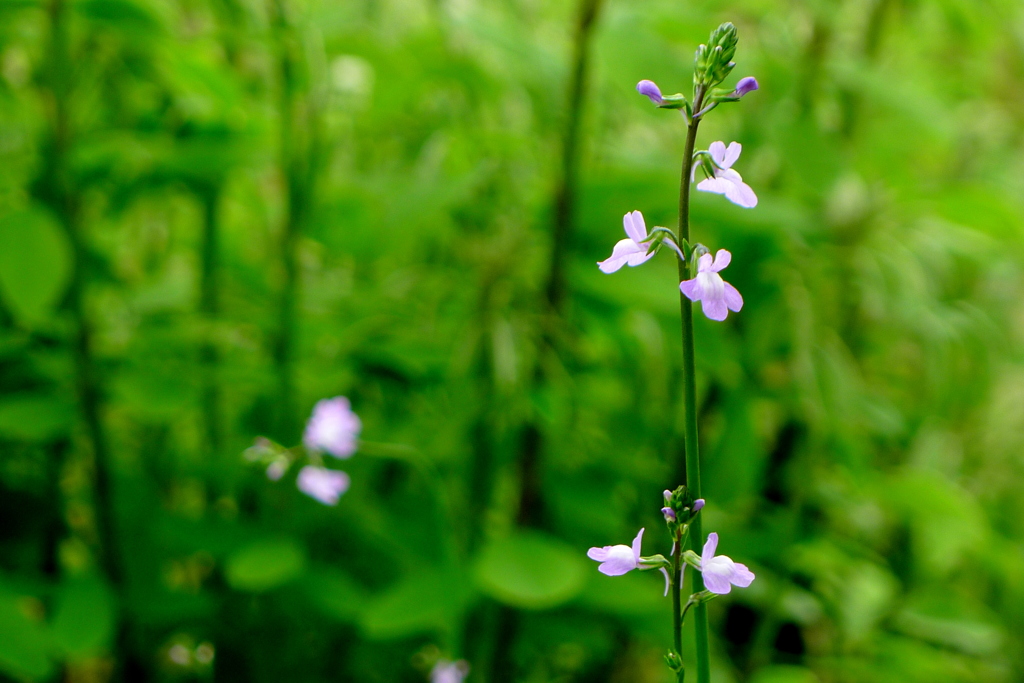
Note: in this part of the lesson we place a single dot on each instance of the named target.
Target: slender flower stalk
(699, 280)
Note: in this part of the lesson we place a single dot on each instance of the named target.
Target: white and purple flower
(323, 484)
(630, 251)
(717, 296)
(616, 560)
(727, 181)
(333, 428)
(720, 572)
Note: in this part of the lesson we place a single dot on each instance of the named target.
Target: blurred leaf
(127, 16)
(24, 643)
(784, 674)
(334, 593)
(85, 617)
(636, 593)
(530, 570)
(35, 263)
(424, 601)
(34, 417)
(265, 564)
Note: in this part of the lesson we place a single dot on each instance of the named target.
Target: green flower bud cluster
(680, 508)
(713, 62)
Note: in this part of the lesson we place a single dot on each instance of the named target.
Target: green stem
(677, 607)
(700, 620)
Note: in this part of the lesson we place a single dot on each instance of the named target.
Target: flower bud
(698, 504)
(745, 85)
(670, 515)
(667, 495)
(650, 90)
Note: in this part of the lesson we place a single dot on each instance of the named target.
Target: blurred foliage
(165, 166)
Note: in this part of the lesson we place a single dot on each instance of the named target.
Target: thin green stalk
(677, 607)
(700, 620)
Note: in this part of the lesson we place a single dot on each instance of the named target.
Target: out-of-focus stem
(56, 188)
(209, 307)
(295, 186)
(690, 395)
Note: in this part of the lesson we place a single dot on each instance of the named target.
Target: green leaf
(85, 617)
(34, 417)
(265, 564)
(636, 593)
(24, 642)
(425, 601)
(35, 263)
(334, 593)
(530, 570)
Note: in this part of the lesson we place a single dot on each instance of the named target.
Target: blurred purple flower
(650, 90)
(449, 672)
(717, 296)
(323, 484)
(726, 180)
(616, 560)
(630, 250)
(699, 503)
(276, 469)
(745, 85)
(333, 427)
(721, 573)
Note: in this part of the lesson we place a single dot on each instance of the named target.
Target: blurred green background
(215, 212)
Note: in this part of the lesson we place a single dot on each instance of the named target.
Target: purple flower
(323, 484)
(650, 90)
(333, 427)
(276, 469)
(744, 86)
(699, 503)
(629, 251)
(721, 573)
(717, 296)
(669, 513)
(449, 672)
(726, 180)
(616, 560)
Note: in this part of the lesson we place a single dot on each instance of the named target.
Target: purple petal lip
(650, 90)
(746, 85)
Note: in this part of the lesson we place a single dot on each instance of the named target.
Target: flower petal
(620, 560)
(636, 546)
(737, 191)
(716, 576)
(731, 154)
(704, 263)
(322, 484)
(635, 227)
(599, 554)
(709, 548)
(722, 259)
(621, 253)
(718, 153)
(714, 309)
(733, 300)
(668, 581)
(715, 185)
(741, 576)
(692, 289)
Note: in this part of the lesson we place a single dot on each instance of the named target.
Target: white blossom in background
(322, 484)
(449, 672)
